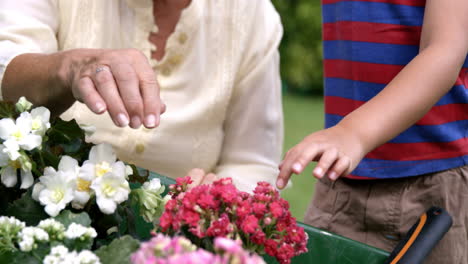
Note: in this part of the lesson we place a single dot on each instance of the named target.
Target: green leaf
(27, 210)
(64, 132)
(67, 217)
(119, 251)
(7, 110)
(18, 257)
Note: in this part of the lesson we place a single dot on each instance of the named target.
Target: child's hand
(337, 151)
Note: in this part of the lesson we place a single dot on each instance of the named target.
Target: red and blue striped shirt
(366, 44)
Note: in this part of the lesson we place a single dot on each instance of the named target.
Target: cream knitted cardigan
(219, 78)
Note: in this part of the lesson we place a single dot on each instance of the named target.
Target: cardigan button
(139, 148)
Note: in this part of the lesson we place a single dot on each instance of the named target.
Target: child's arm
(431, 74)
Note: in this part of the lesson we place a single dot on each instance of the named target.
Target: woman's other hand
(336, 150)
(199, 177)
(119, 81)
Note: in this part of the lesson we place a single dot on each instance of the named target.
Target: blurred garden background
(301, 70)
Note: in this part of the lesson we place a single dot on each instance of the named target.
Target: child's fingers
(339, 168)
(286, 167)
(305, 157)
(326, 161)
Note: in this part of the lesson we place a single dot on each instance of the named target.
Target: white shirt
(219, 79)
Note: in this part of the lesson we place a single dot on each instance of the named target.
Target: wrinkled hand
(200, 177)
(119, 81)
(337, 151)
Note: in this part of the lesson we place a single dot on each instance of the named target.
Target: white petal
(102, 152)
(37, 189)
(27, 179)
(30, 142)
(119, 169)
(106, 206)
(24, 122)
(88, 171)
(53, 209)
(9, 177)
(67, 163)
(12, 149)
(81, 197)
(49, 171)
(41, 112)
(4, 158)
(121, 195)
(7, 127)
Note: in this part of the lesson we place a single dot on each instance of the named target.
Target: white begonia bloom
(82, 192)
(40, 120)
(10, 167)
(23, 104)
(19, 133)
(111, 189)
(102, 159)
(75, 231)
(55, 190)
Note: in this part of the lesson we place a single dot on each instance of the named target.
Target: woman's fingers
(107, 88)
(197, 176)
(149, 89)
(121, 82)
(128, 86)
(209, 178)
(90, 96)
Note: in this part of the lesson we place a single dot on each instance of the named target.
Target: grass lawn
(302, 115)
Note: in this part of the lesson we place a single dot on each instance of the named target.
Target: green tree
(301, 48)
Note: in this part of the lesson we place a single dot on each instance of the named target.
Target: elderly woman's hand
(119, 81)
(200, 177)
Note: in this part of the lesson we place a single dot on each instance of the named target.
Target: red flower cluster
(261, 220)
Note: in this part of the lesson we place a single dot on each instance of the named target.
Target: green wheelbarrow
(328, 248)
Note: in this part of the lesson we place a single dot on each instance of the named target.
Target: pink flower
(206, 201)
(276, 209)
(262, 220)
(259, 209)
(250, 224)
(219, 227)
(228, 245)
(190, 217)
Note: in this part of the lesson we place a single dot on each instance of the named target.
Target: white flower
(23, 104)
(29, 236)
(54, 228)
(10, 226)
(82, 192)
(58, 255)
(102, 159)
(54, 191)
(111, 189)
(61, 255)
(75, 231)
(19, 133)
(152, 185)
(10, 167)
(40, 120)
(87, 257)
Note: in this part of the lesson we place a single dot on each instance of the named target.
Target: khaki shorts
(380, 212)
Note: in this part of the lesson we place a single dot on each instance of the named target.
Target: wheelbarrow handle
(422, 237)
